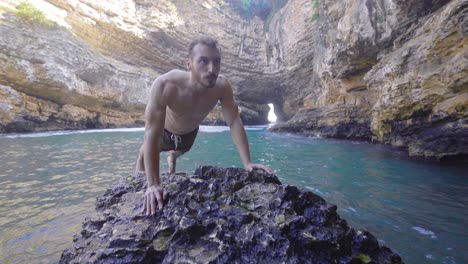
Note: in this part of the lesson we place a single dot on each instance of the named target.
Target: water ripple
(48, 184)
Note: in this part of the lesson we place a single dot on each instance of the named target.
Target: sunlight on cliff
(208, 4)
(50, 11)
(169, 17)
(122, 14)
(271, 114)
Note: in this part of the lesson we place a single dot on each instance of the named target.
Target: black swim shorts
(170, 141)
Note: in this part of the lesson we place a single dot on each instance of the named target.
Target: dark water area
(49, 181)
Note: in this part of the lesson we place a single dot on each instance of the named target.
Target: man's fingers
(263, 167)
(160, 200)
(165, 195)
(153, 195)
(153, 204)
(268, 169)
(144, 205)
(148, 205)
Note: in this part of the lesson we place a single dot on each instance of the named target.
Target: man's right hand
(152, 195)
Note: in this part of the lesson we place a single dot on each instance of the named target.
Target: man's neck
(196, 87)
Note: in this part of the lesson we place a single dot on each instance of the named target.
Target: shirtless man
(178, 103)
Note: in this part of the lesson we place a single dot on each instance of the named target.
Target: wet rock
(348, 122)
(221, 215)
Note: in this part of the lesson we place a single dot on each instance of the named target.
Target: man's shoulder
(176, 75)
(171, 78)
(223, 82)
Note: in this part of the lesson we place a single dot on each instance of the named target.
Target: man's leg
(140, 164)
(171, 159)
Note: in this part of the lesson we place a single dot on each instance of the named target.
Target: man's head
(204, 61)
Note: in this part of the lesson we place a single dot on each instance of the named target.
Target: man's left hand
(250, 167)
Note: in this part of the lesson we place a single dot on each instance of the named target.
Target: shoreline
(203, 128)
(447, 160)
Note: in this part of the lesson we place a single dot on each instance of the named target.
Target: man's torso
(186, 108)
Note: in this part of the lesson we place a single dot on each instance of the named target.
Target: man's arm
(231, 115)
(155, 115)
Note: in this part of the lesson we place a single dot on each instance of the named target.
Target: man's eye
(203, 61)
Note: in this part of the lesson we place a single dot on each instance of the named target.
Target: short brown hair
(205, 40)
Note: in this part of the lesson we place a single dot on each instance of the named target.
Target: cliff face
(385, 70)
(423, 88)
(95, 68)
(50, 80)
(389, 71)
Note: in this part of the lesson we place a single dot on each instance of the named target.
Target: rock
(397, 66)
(424, 88)
(215, 117)
(250, 114)
(345, 122)
(394, 68)
(221, 215)
(104, 56)
(51, 80)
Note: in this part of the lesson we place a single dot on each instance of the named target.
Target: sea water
(49, 181)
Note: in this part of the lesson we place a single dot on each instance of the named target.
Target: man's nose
(210, 67)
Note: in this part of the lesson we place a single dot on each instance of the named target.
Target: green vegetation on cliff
(263, 9)
(248, 9)
(29, 13)
(316, 14)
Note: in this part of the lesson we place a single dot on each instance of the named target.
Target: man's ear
(189, 65)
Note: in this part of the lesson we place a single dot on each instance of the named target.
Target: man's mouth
(212, 77)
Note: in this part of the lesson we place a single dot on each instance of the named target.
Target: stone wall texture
(391, 71)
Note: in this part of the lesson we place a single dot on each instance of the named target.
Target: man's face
(205, 64)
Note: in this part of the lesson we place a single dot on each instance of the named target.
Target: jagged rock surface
(221, 215)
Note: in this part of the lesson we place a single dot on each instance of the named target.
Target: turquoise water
(48, 184)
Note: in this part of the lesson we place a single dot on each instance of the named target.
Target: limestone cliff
(94, 68)
(390, 71)
(50, 79)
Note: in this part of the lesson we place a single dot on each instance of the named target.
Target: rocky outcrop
(423, 87)
(102, 57)
(347, 122)
(221, 215)
(401, 67)
(390, 71)
(52, 80)
(251, 114)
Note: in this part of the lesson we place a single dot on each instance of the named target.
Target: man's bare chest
(193, 107)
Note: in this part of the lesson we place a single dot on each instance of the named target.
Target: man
(178, 103)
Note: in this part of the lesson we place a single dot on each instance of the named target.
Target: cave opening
(271, 114)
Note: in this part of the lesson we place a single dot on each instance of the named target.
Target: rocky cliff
(221, 215)
(390, 71)
(50, 79)
(93, 64)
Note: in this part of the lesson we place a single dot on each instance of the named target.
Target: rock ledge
(221, 215)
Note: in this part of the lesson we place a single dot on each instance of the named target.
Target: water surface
(49, 181)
